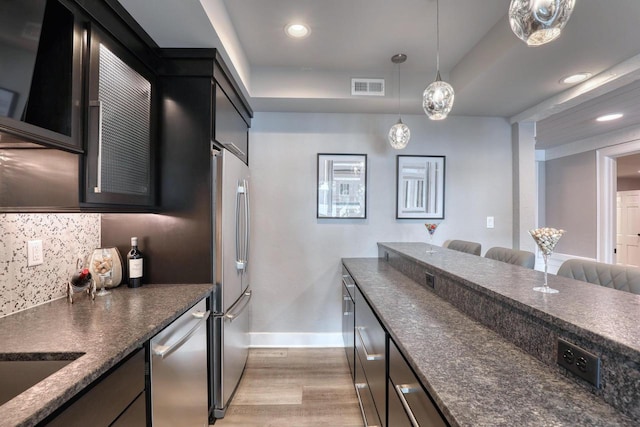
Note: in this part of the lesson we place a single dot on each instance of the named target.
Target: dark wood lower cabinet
(109, 400)
(409, 403)
(389, 392)
(135, 415)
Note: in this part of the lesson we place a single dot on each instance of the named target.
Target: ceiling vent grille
(367, 87)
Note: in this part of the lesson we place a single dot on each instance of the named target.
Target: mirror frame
(433, 192)
(323, 188)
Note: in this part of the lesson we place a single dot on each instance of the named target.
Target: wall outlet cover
(34, 253)
(579, 362)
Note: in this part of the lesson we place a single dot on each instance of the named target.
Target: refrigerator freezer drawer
(231, 348)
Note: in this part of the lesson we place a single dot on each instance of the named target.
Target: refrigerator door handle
(247, 212)
(236, 309)
(165, 350)
(240, 261)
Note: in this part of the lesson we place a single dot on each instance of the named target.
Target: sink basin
(21, 371)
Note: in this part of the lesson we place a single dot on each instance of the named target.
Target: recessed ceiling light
(609, 117)
(575, 78)
(297, 31)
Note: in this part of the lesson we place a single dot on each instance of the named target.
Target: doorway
(607, 199)
(628, 210)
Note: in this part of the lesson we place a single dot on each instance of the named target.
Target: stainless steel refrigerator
(232, 290)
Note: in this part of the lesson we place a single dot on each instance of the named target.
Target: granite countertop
(105, 331)
(599, 314)
(476, 377)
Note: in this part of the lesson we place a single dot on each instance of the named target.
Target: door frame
(606, 173)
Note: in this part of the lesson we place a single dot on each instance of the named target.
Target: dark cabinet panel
(230, 129)
(348, 318)
(370, 342)
(40, 76)
(108, 397)
(120, 149)
(416, 405)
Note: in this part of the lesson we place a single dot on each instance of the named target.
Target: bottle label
(135, 268)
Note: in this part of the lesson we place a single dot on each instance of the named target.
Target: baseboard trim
(296, 339)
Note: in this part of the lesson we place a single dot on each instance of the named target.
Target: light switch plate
(34, 253)
(490, 223)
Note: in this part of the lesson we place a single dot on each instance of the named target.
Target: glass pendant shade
(537, 22)
(437, 99)
(399, 135)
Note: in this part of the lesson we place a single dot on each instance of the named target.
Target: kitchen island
(481, 372)
(102, 333)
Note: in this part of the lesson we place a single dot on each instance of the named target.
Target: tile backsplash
(64, 237)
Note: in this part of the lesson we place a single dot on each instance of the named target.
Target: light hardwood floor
(297, 387)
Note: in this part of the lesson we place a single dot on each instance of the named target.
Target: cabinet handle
(401, 390)
(374, 356)
(348, 285)
(164, 350)
(364, 415)
(235, 310)
(233, 148)
(98, 104)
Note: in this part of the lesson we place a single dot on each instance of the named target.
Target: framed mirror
(342, 186)
(420, 187)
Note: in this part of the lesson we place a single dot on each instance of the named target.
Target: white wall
(296, 257)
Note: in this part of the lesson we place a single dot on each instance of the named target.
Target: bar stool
(464, 246)
(608, 275)
(512, 256)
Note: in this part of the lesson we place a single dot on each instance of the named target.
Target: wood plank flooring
(298, 387)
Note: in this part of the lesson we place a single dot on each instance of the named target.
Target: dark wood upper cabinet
(40, 78)
(229, 128)
(120, 125)
(77, 126)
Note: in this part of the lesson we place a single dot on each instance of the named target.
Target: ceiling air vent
(367, 87)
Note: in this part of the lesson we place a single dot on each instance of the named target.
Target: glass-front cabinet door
(119, 161)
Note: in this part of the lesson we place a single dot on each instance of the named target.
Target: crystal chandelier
(537, 22)
(437, 98)
(399, 133)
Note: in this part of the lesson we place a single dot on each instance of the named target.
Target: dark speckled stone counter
(600, 320)
(477, 377)
(106, 331)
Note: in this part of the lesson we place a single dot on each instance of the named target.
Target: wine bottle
(135, 262)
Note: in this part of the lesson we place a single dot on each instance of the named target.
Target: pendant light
(399, 133)
(437, 98)
(537, 22)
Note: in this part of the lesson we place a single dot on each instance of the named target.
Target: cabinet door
(229, 128)
(40, 71)
(108, 397)
(416, 405)
(348, 325)
(119, 160)
(370, 342)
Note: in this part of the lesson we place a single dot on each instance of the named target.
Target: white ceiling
(492, 72)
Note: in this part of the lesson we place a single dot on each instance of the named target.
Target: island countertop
(103, 331)
(475, 376)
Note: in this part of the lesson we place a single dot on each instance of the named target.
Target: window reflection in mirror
(420, 187)
(342, 186)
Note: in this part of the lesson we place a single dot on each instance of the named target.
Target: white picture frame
(420, 187)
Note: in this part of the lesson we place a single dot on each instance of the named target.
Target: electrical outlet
(490, 223)
(34, 253)
(430, 280)
(579, 362)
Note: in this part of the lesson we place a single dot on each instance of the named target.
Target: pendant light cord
(437, 37)
(398, 90)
